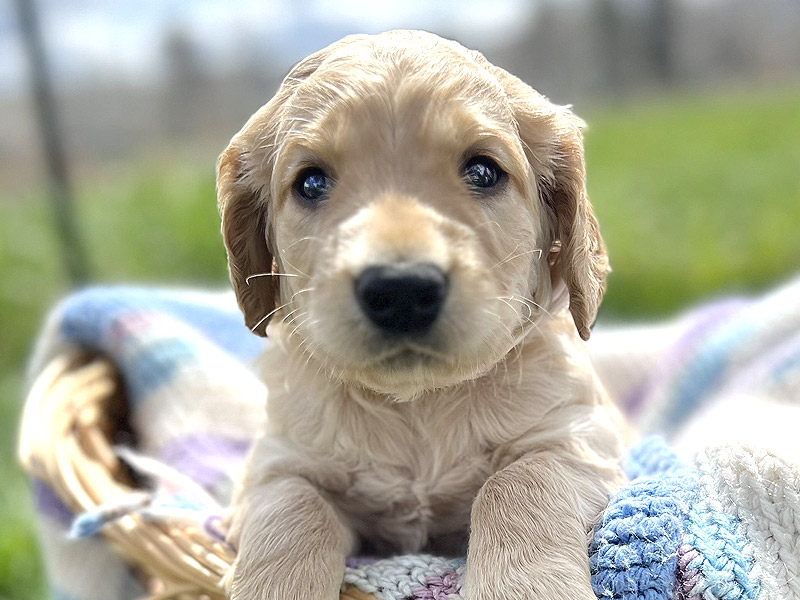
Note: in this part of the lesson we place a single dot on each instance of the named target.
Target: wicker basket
(74, 413)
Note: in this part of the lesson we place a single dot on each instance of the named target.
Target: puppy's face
(404, 211)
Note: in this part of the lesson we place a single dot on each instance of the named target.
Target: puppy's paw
(291, 544)
(285, 576)
(536, 584)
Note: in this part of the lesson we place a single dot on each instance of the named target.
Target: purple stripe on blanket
(48, 504)
(704, 322)
(705, 370)
(788, 360)
(354, 562)
(770, 368)
(206, 458)
(686, 577)
(439, 587)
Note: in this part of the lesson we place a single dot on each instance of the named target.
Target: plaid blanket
(704, 517)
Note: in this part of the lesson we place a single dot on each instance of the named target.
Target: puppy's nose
(402, 298)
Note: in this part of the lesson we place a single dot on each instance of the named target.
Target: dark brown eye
(312, 185)
(482, 172)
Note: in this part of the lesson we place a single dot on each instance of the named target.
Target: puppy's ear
(245, 230)
(553, 143)
(244, 174)
(582, 261)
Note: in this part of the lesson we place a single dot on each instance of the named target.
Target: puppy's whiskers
(504, 300)
(289, 314)
(303, 291)
(302, 323)
(529, 301)
(485, 223)
(286, 260)
(255, 275)
(309, 350)
(520, 300)
(274, 310)
(268, 315)
(291, 320)
(308, 238)
(525, 323)
(513, 256)
(500, 320)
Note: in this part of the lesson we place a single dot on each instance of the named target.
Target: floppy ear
(244, 173)
(582, 261)
(553, 143)
(245, 230)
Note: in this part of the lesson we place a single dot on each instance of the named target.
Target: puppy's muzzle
(402, 299)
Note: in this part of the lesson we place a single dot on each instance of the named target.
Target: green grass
(28, 281)
(695, 196)
(161, 228)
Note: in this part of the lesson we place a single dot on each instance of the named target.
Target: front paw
(506, 579)
(285, 576)
(291, 544)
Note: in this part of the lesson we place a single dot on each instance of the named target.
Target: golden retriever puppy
(410, 225)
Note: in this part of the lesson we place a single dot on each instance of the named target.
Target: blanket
(702, 517)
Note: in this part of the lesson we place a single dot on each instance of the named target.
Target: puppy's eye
(482, 172)
(312, 184)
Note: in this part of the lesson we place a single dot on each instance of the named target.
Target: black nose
(402, 298)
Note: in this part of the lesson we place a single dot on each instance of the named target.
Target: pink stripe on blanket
(701, 324)
(207, 459)
(48, 504)
(439, 587)
(686, 578)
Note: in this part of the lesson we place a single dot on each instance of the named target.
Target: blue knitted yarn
(152, 333)
(652, 458)
(724, 559)
(633, 554)
(87, 316)
(404, 577)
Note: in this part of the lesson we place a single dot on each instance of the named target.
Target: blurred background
(693, 147)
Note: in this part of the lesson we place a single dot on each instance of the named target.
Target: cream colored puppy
(412, 222)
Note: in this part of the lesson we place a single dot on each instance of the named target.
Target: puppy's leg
(529, 528)
(291, 544)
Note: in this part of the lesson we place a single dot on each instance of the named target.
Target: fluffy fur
(489, 435)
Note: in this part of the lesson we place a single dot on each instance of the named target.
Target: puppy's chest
(414, 499)
(403, 475)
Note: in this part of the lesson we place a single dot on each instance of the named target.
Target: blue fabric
(633, 554)
(668, 534)
(88, 315)
(725, 557)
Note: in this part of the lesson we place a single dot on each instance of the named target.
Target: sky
(122, 40)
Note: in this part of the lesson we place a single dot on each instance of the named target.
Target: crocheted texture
(721, 556)
(764, 491)
(731, 346)
(633, 554)
(415, 576)
(686, 577)
(724, 527)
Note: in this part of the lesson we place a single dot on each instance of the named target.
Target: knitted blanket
(723, 522)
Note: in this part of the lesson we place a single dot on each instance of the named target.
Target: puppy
(410, 225)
